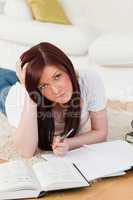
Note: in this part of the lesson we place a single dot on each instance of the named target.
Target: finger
(18, 65)
(59, 152)
(58, 144)
(61, 149)
(55, 146)
(19, 70)
(23, 73)
(56, 140)
(25, 66)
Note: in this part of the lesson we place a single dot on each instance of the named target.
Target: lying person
(46, 99)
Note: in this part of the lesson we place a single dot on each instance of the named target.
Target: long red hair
(37, 58)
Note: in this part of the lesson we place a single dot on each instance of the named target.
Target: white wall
(110, 15)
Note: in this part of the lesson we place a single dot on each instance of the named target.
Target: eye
(57, 76)
(43, 87)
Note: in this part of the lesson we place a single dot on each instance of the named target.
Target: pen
(65, 136)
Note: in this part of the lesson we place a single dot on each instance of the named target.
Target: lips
(60, 95)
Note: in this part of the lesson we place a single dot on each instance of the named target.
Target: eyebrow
(42, 84)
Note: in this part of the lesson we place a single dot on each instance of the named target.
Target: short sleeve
(14, 104)
(93, 91)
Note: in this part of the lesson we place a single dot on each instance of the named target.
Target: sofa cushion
(69, 38)
(48, 11)
(18, 9)
(9, 53)
(113, 50)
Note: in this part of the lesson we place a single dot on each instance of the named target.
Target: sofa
(99, 38)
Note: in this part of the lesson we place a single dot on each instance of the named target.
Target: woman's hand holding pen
(60, 147)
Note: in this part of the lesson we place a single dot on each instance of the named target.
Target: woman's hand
(20, 72)
(60, 147)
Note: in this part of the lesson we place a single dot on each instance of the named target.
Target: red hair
(37, 58)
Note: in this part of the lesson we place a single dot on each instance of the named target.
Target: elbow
(25, 155)
(103, 136)
(22, 151)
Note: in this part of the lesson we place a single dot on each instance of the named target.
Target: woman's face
(55, 84)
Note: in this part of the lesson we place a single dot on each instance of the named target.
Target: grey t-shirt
(93, 99)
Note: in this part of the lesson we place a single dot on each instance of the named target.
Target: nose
(55, 90)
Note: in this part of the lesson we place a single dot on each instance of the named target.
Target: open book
(20, 180)
(100, 160)
(77, 169)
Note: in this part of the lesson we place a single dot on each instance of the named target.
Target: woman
(50, 99)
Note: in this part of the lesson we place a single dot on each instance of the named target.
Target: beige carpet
(119, 124)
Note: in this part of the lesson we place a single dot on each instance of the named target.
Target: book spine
(81, 173)
(42, 194)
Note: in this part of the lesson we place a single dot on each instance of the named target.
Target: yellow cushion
(48, 11)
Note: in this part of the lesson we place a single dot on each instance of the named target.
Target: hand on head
(21, 72)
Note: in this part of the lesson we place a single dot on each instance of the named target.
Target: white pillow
(114, 49)
(18, 9)
(9, 53)
(69, 38)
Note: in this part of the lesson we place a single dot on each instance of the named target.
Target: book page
(121, 173)
(101, 159)
(15, 175)
(58, 174)
(119, 147)
(118, 151)
(79, 153)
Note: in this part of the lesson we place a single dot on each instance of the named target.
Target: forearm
(26, 137)
(90, 137)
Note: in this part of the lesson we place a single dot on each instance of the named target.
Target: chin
(64, 100)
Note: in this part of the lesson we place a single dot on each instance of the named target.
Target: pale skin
(56, 85)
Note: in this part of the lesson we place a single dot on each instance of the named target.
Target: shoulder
(89, 80)
(89, 75)
(92, 90)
